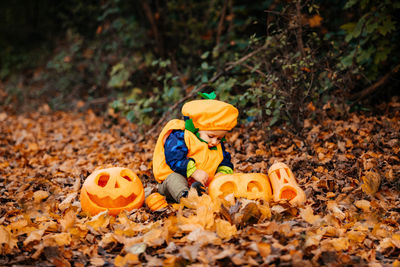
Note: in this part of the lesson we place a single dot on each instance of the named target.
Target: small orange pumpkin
(246, 185)
(156, 201)
(284, 185)
(113, 189)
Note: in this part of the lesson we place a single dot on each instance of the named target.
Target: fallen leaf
(40, 195)
(7, 240)
(333, 207)
(34, 236)
(264, 249)
(371, 183)
(307, 214)
(364, 205)
(224, 229)
(341, 243)
(312, 240)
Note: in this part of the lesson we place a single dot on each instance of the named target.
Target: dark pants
(173, 187)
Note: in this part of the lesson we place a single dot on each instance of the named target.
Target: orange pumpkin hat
(211, 115)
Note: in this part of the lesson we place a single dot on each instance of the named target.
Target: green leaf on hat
(211, 95)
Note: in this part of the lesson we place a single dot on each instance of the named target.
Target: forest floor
(348, 168)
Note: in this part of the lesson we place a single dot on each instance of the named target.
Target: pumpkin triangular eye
(127, 178)
(278, 173)
(126, 175)
(103, 179)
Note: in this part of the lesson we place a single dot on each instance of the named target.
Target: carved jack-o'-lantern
(246, 185)
(156, 201)
(284, 185)
(113, 189)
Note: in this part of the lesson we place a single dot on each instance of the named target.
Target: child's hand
(201, 176)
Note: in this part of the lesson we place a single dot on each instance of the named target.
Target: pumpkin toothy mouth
(108, 202)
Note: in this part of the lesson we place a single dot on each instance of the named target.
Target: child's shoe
(284, 185)
(199, 188)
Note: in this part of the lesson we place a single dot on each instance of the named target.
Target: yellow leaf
(224, 229)
(371, 183)
(356, 236)
(100, 220)
(341, 243)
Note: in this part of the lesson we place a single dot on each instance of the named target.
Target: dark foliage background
(276, 60)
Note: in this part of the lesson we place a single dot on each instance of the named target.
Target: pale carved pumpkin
(284, 185)
(156, 201)
(113, 189)
(246, 185)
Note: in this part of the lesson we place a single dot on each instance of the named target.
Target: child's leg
(173, 187)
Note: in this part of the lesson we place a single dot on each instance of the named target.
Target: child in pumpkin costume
(192, 150)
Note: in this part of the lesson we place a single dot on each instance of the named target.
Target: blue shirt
(176, 151)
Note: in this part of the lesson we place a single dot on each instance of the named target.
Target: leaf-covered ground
(349, 169)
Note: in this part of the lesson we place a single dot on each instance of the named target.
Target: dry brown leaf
(312, 240)
(249, 214)
(307, 214)
(68, 220)
(341, 243)
(60, 239)
(34, 236)
(396, 240)
(7, 241)
(40, 195)
(336, 211)
(363, 204)
(97, 261)
(356, 236)
(264, 249)
(371, 183)
(101, 220)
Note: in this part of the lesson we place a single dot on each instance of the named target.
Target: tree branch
(221, 24)
(365, 92)
(299, 31)
(154, 28)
